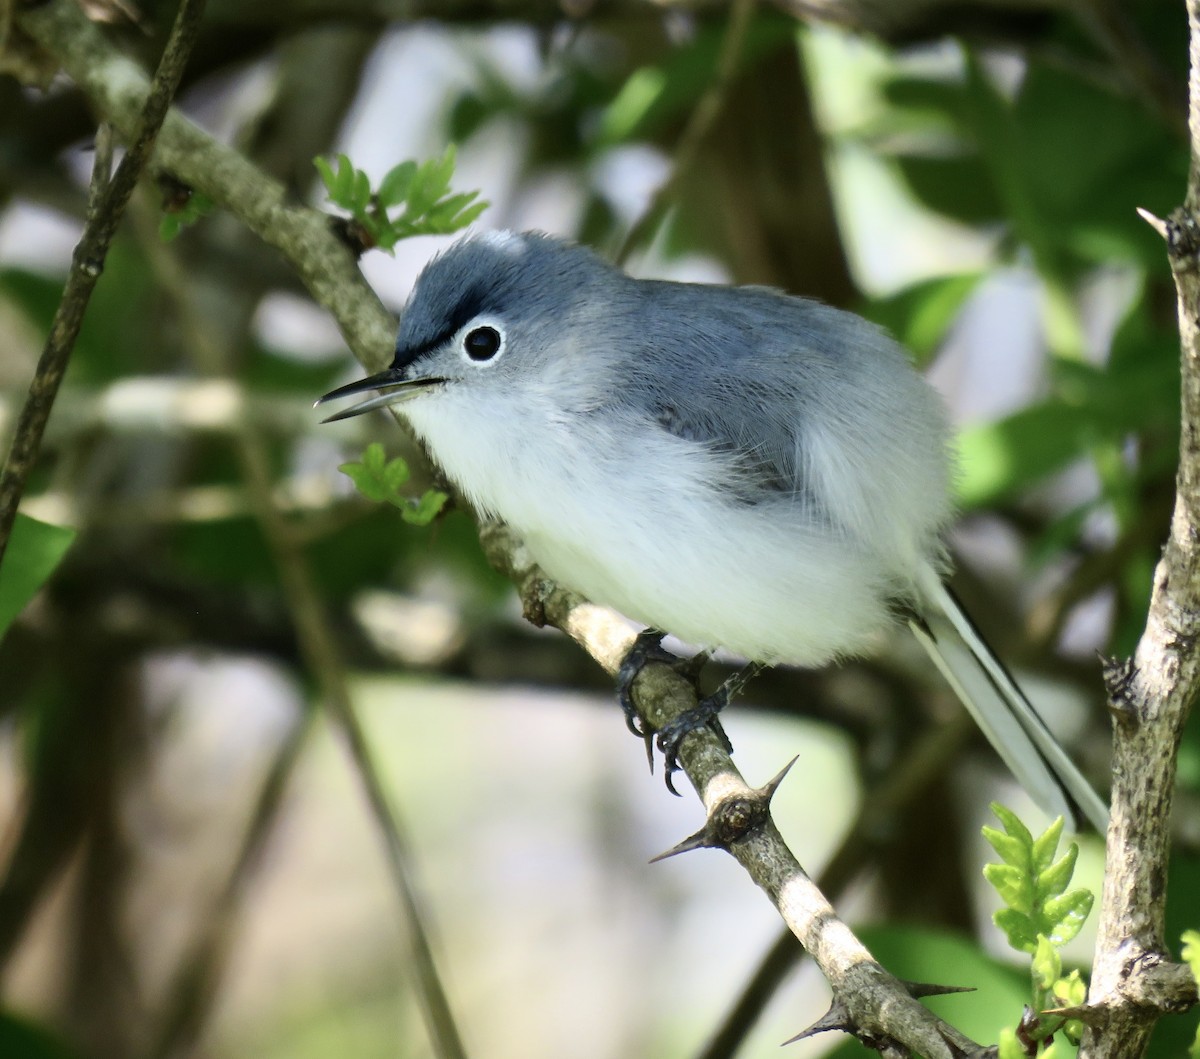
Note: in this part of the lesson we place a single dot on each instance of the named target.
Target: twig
(318, 648)
(1133, 981)
(700, 122)
(107, 199)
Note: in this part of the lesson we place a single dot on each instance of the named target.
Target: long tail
(1001, 710)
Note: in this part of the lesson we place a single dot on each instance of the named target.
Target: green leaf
(1094, 405)
(169, 226)
(635, 100)
(172, 223)
(469, 215)
(379, 479)
(426, 509)
(394, 474)
(1070, 991)
(375, 458)
(1046, 844)
(423, 193)
(449, 207)
(1012, 849)
(364, 481)
(1046, 964)
(920, 316)
(1036, 905)
(1067, 914)
(327, 175)
(1020, 929)
(956, 186)
(1053, 881)
(34, 550)
(443, 170)
(653, 96)
(1014, 886)
(1191, 952)
(343, 182)
(1012, 824)
(393, 189)
(360, 193)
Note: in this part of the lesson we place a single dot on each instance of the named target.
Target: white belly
(668, 548)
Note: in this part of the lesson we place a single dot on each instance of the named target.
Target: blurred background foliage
(187, 865)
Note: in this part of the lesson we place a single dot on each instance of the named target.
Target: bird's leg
(703, 714)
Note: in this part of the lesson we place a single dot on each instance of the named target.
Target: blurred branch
(877, 1007)
(320, 654)
(699, 125)
(1134, 981)
(198, 974)
(1110, 26)
(116, 87)
(106, 205)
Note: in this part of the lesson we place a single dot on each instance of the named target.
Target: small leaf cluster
(380, 479)
(1040, 914)
(1010, 1047)
(412, 199)
(1191, 956)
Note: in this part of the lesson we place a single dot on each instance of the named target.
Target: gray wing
(763, 466)
(747, 371)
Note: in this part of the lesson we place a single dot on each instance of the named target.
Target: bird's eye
(482, 343)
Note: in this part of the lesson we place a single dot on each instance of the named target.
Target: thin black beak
(392, 389)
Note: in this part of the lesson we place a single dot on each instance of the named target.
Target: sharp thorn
(836, 1018)
(768, 789)
(1157, 223)
(699, 840)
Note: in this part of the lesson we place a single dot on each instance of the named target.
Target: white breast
(634, 518)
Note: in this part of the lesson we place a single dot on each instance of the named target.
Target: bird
(742, 468)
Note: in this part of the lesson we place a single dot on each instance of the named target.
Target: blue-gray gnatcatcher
(736, 466)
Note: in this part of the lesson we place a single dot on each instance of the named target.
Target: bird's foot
(705, 714)
(648, 648)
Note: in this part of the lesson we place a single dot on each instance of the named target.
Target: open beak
(392, 390)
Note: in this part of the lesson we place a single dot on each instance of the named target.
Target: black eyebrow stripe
(470, 305)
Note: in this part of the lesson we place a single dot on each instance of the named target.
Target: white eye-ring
(482, 341)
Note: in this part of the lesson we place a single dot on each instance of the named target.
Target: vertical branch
(1134, 982)
(699, 125)
(107, 200)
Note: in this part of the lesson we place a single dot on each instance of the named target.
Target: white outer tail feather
(1001, 709)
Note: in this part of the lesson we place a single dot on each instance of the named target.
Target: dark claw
(646, 648)
(703, 715)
